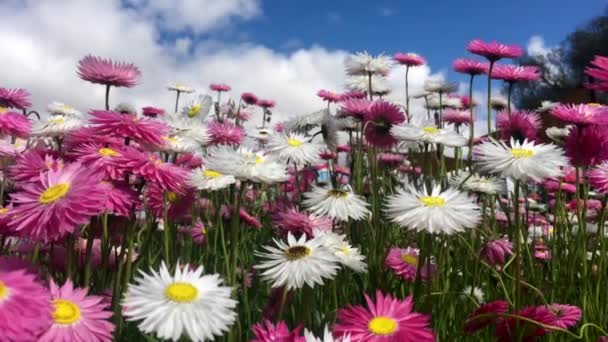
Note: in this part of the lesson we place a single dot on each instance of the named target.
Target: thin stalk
(489, 97)
(471, 125)
(107, 97)
(177, 101)
(407, 94)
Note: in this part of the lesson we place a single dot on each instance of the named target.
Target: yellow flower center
(3, 291)
(181, 292)
(211, 174)
(168, 139)
(297, 252)
(294, 142)
(382, 326)
(432, 201)
(259, 160)
(57, 121)
(171, 196)
(54, 193)
(193, 111)
(410, 259)
(3, 211)
(431, 130)
(521, 153)
(3, 110)
(337, 193)
(345, 250)
(594, 104)
(203, 230)
(67, 108)
(108, 152)
(66, 312)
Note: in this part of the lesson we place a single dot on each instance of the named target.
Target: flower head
(485, 315)
(295, 148)
(599, 72)
(105, 71)
(152, 112)
(363, 63)
(249, 98)
(404, 263)
(225, 133)
(300, 222)
(587, 146)
(329, 96)
(14, 124)
(518, 125)
(427, 132)
(204, 178)
(15, 98)
(142, 130)
(564, 316)
(380, 118)
(149, 166)
(265, 103)
(221, 87)
(409, 59)
(379, 85)
(198, 107)
(494, 50)
(356, 108)
(598, 178)
(515, 73)
(340, 204)
(581, 114)
(182, 88)
(470, 66)
(280, 332)
(457, 117)
(496, 251)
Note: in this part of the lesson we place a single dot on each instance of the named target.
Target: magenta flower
(356, 108)
(55, 206)
(391, 159)
(225, 133)
(329, 96)
(105, 71)
(265, 103)
(299, 222)
(198, 232)
(598, 178)
(31, 164)
(382, 116)
(152, 112)
(120, 199)
(220, 87)
(581, 114)
(271, 333)
(14, 124)
(518, 125)
(88, 135)
(515, 73)
(587, 146)
(482, 316)
(178, 204)
(227, 211)
(470, 66)
(249, 98)
(494, 50)
(467, 102)
(508, 329)
(142, 130)
(15, 98)
(541, 251)
(554, 186)
(457, 117)
(599, 72)
(25, 306)
(386, 319)
(496, 251)
(78, 316)
(149, 166)
(404, 263)
(353, 94)
(100, 158)
(409, 59)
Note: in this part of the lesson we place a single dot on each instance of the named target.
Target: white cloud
(42, 55)
(536, 46)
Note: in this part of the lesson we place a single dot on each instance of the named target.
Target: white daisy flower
(427, 132)
(204, 178)
(198, 107)
(452, 102)
(449, 211)
(347, 255)
(440, 86)
(297, 263)
(327, 337)
(361, 83)
(305, 121)
(56, 125)
(245, 164)
(262, 134)
(188, 128)
(59, 108)
(498, 102)
(546, 106)
(295, 148)
(182, 88)
(187, 303)
(477, 183)
(339, 204)
(558, 134)
(177, 143)
(362, 63)
(521, 161)
(476, 293)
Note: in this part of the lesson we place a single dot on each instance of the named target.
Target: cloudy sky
(281, 50)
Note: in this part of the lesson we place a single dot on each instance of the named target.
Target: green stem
(107, 97)
(471, 125)
(489, 97)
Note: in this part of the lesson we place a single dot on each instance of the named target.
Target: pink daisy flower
(299, 222)
(153, 169)
(509, 329)
(599, 72)
(409, 59)
(249, 98)
(381, 117)
(554, 186)
(496, 251)
(25, 306)
(329, 96)
(587, 146)
(581, 114)
(78, 316)
(56, 205)
(142, 130)
(265, 103)
(328, 155)
(152, 112)
(250, 220)
(515, 73)
(343, 149)
(105, 71)
(386, 319)
(220, 87)
(542, 251)
(404, 263)
(474, 322)
(467, 102)
(494, 50)
(15, 98)
(268, 332)
(189, 161)
(178, 204)
(391, 159)
(198, 232)
(225, 133)
(353, 94)
(598, 178)
(356, 108)
(14, 124)
(470, 66)
(88, 135)
(120, 199)
(457, 117)
(30, 165)
(518, 125)
(564, 316)
(101, 159)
